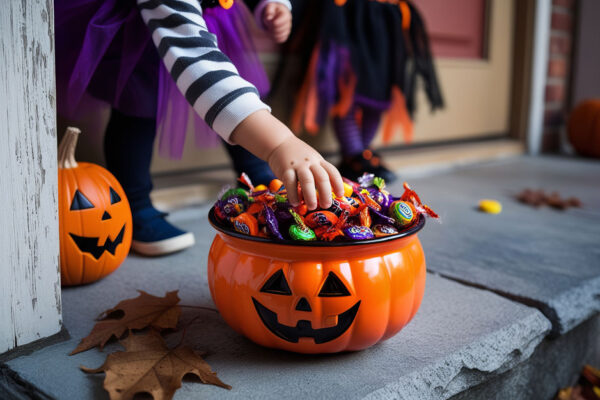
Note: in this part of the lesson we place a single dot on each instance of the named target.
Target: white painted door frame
(30, 306)
(539, 67)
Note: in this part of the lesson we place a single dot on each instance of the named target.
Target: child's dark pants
(128, 146)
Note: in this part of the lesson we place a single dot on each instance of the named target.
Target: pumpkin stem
(66, 148)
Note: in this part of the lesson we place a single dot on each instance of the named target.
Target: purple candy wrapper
(357, 232)
(272, 223)
(380, 218)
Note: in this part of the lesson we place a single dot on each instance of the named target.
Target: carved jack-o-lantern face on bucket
(332, 287)
(95, 218)
(316, 299)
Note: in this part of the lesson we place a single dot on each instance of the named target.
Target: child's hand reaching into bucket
(277, 19)
(290, 158)
(293, 161)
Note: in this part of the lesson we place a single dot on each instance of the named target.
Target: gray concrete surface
(463, 337)
(459, 337)
(542, 257)
(555, 363)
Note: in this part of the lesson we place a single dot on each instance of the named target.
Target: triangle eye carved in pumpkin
(277, 284)
(80, 202)
(333, 287)
(114, 196)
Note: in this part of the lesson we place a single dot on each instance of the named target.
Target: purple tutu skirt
(104, 48)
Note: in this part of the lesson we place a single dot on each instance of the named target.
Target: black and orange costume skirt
(360, 53)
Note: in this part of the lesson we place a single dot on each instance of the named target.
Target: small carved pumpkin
(316, 299)
(94, 217)
(584, 128)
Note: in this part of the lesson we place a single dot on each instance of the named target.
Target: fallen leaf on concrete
(532, 197)
(137, 313)
(148, 366)
(591, 374)
(570, 393)
(587, 388)
(537, 198)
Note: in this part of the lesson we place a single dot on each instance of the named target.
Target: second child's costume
(363, 60)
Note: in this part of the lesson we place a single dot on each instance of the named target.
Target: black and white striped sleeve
(207, 78)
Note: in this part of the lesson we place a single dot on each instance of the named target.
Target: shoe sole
(163, 247)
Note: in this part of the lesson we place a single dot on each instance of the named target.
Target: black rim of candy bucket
(226, 230)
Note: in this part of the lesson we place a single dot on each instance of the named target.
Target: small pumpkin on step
(584, 128)
(94, 217)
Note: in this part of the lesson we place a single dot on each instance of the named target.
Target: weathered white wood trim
(29, 270)
(539, 67)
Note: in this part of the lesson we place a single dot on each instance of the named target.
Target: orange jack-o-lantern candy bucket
(316, 297)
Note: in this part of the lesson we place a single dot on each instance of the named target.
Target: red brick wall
(559, 65)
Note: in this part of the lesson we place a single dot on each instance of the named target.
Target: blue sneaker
(154, 236)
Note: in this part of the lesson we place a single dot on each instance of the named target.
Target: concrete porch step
(471, 339)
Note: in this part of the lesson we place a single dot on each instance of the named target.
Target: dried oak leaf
(570, 393)
(138, 313)
(587, 388)
(148, 366)
(591, 374)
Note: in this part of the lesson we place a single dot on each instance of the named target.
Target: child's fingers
(281, 37)
(323, 185)
(307, 182)
(280, 24)
(289, 181)
(281, 21)
(334, 177)
(281, 31)
(270, 11)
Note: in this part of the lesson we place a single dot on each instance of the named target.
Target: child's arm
(290, 158)
(229, 104)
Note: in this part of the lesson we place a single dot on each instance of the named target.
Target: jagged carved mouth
(304, 328)
(90, 244)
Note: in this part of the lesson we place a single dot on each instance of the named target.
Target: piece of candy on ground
(490, 206)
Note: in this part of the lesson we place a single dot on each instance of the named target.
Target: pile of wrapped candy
(366, 211)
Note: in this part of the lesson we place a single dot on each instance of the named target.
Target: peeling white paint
(29, 270)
